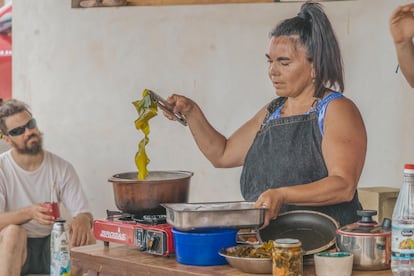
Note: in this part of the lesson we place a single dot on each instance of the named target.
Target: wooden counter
(124, 260)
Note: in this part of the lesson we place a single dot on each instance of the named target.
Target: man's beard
(33, 149)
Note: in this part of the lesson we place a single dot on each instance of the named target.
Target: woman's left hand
(272, 200)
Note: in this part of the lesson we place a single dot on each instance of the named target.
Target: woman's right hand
(181, 105)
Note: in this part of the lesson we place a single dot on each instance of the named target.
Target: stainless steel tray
(236, 214)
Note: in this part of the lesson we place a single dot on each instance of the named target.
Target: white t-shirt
(20, 188)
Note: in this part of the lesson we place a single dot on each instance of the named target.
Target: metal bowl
(248, 265)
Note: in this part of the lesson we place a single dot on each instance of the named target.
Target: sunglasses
(31, 124)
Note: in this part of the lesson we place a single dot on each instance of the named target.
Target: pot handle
(386, 223)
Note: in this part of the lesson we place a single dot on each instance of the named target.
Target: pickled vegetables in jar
(287, 257)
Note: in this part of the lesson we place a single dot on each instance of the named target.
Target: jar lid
(287, 243)
(409, 168)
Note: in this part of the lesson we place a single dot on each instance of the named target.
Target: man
(28, 176)
(402, 31)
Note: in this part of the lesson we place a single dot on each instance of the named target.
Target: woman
(306, 149)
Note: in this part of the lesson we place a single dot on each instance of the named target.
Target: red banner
(6, 51)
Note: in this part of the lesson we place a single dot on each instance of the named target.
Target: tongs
(162, 103)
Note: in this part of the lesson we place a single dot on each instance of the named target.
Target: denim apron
(287, 152)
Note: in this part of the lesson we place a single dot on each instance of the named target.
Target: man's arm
(23, 215)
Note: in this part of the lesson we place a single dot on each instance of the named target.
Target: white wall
(80, 69)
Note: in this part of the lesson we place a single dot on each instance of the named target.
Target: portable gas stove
(150, 233)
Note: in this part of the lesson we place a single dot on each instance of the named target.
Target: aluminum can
(287, 255)
(59, 250)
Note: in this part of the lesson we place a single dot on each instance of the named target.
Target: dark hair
(315, 33)
(9, 108)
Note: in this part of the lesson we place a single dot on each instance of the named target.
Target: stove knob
(154, 243)
(140, 239)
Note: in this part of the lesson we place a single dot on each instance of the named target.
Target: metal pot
(370, 243)
(143, 197)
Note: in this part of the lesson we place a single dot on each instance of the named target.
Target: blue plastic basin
(201, 247)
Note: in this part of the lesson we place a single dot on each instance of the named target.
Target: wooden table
(125, 260)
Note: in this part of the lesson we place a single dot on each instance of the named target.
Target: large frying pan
(316, 231)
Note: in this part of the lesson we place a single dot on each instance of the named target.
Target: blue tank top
(320, 108)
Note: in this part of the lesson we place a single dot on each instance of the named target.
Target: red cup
(53, 209)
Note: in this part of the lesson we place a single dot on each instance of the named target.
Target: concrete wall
(80, 69)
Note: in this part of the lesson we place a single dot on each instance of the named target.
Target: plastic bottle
(402, 244)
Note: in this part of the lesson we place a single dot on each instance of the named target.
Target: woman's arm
(222, 152)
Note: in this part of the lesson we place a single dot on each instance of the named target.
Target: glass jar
(287, 256)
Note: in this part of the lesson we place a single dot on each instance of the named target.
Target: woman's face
(289, 69)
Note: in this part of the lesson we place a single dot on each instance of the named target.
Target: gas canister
(59, 250)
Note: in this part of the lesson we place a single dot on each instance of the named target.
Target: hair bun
(305, 16)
